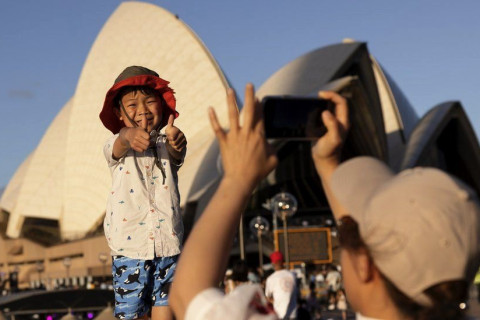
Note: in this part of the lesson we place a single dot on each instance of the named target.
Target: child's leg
(163, 277)
(129, 282)
(162, 313)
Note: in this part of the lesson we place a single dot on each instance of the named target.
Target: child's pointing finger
(143, 122)
(171, 119)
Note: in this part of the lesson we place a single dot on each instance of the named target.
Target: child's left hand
(175, 137)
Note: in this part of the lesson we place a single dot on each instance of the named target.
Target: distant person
(239, 273)
(334, 282)
(342, 303)
(322, 288)
(143, 225)
(253, 275)
(228, 283)
(13, 281)
(302, 311)
(312, 301)
(281, 288)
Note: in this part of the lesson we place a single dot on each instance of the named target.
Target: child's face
(143, 108)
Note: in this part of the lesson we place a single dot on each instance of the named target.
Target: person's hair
(240, 271)
(446, 297)
(332, 267)
(266, 274)
(126, 90)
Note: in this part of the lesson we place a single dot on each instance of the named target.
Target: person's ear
(364, 266)
(118, 113)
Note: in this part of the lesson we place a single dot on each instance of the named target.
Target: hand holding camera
(323, 121)
(294, 118)
(337, 125)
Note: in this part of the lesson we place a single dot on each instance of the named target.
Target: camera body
(294, 118)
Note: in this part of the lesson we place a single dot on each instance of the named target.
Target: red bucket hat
(136, 76)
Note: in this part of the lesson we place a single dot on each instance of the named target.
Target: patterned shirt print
(143, 219)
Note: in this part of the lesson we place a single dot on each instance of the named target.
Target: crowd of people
(326, 292)
(289, 294)
(410, 241)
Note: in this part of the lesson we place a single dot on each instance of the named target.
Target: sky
(430, 48)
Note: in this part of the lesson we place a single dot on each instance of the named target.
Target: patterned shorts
(141, 284)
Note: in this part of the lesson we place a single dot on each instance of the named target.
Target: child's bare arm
(176, 140)
(134, 138)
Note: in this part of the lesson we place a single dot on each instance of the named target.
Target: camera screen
(294, 118)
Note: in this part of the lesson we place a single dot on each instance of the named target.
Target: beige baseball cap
(421, 226)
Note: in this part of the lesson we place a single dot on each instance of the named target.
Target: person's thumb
(170, 121)
(144, 122)
(330, 122)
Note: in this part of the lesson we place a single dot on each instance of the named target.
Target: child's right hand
(136, 138)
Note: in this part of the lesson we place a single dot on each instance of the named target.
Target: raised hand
(326, 150)
(135, 138)
(328, 147)
(175, 137)
(246, 155)
(246, 158)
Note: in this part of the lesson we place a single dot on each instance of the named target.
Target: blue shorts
(141, 284)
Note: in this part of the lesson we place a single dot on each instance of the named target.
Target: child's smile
(144, 109)
(144, 117)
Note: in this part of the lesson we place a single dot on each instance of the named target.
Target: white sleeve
(202, 303)
(245, 302)
(176, 164)
(108, 151)
(268, 288)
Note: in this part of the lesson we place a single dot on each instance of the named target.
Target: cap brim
(355, 181)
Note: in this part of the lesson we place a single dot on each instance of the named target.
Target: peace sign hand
(246, 156)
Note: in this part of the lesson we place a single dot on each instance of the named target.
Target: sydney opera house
(52, 209)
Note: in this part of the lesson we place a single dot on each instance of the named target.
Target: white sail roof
(10, 194)
(41, 193)
(40, 188)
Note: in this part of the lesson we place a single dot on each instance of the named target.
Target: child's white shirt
(143, 217)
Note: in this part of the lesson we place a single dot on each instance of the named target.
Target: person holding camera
(410, 242)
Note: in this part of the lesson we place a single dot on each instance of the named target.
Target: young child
(143, 225)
